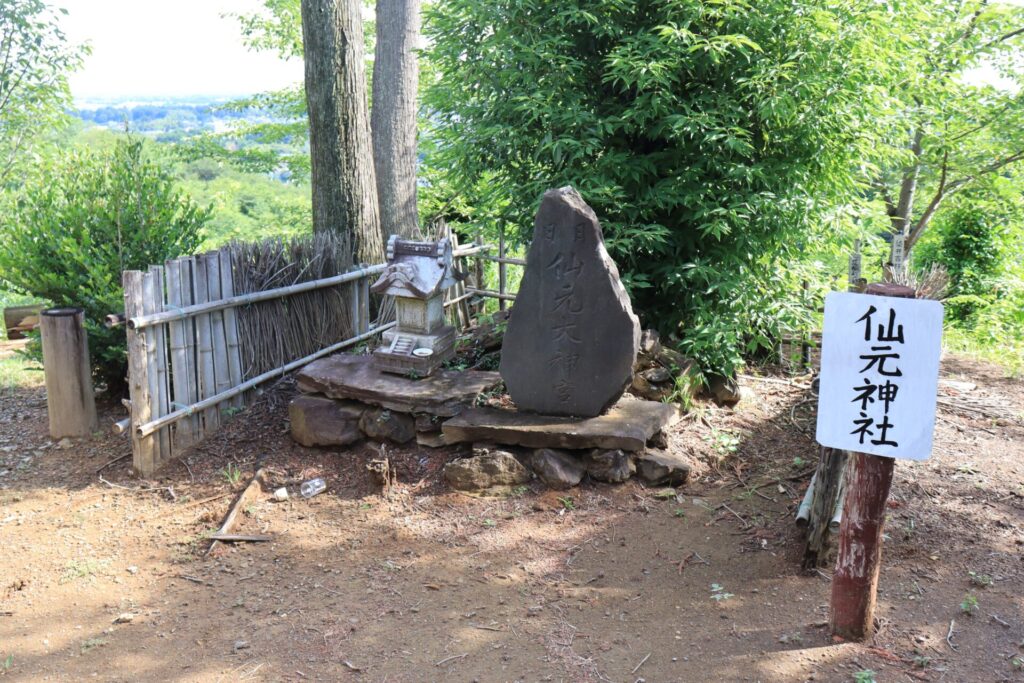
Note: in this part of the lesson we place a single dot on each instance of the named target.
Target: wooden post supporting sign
(877, 397)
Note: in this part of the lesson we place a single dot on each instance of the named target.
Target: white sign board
(879, 374)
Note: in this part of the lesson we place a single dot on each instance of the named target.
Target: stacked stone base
(346, 399)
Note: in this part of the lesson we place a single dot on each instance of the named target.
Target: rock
(319, 421)
(613, 467)
(431, 439)
(724, 389)
(627, 426)
(572, 336)
(382, 424)
(428, 423)
(657, 375)
(644, 389)
(661, 467)
(672, 359)
(444, 393)
(557, 469)
(494, 468)
(650, 342)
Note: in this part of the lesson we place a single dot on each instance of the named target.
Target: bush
(80, 221)
(713, 140)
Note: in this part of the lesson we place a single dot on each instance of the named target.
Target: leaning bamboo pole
(155, 425)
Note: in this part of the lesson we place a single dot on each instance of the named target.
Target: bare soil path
(599, 583)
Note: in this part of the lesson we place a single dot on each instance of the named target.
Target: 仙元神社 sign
(879, 374)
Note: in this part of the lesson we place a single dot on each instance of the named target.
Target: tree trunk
(69, 397)
(341, 157)
(393, 119)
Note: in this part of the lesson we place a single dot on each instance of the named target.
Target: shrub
(713, 140)
(81, 220)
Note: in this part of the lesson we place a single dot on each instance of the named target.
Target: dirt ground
(599, 583)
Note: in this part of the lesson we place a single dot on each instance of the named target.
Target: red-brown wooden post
(855, 581)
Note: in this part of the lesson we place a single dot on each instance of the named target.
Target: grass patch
(17, 373)
(1007, 354)
(82, 569)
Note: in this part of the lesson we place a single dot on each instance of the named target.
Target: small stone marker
(572, 337)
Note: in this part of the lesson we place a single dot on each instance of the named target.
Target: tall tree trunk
(342, 174)
(393, 119)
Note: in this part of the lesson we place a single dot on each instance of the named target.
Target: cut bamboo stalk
(150, 427)
(138, 378)
(70, 402)
(479, 268)
(502, 266)
(490, 294)
(191, 355)
(222, 378)
(122, 426)
(183, 434)
(204, 344)
(227, 290)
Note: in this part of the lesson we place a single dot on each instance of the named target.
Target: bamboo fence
(205, 330)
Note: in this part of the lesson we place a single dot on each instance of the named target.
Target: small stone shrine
(417, 275)
(572, 337)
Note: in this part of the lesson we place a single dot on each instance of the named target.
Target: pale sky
(158, 48)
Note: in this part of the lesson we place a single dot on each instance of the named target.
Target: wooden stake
(855, 581)
(250, 494)
(69, 395)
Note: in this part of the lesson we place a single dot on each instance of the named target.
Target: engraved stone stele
(572, 336)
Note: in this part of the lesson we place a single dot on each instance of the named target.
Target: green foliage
(971, 242)
(33, 79)
(712, 140)
(81, 220)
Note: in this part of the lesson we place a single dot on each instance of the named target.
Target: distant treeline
(201, 113)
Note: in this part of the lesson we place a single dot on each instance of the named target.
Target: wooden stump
(69, 396)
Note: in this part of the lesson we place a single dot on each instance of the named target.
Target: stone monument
(572, 336)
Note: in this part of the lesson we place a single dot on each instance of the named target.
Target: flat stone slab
(627, 426)
(445, 393)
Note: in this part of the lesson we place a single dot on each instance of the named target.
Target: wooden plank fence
(185, 352)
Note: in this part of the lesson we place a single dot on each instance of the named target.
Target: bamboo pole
(138, 374)
(204, 342)
(152, 302)
(183, 433)
(234, 352)
(491, 294)
(502, 266)
(149, 427)
(221, 376)
(70, 403)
